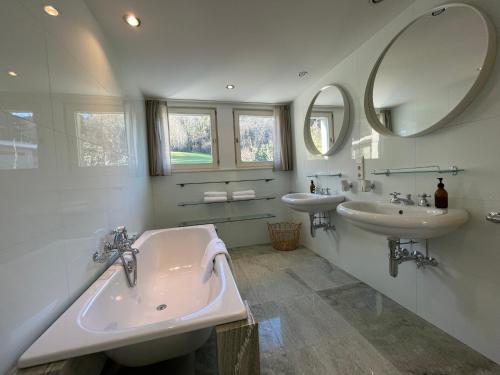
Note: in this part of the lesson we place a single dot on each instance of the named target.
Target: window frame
(329, 115)
(212, 112)
(71, 111)
(237, 112)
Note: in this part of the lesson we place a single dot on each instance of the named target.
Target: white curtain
(283, 156)
(158, 138)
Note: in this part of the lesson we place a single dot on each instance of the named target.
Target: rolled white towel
(215, 194)
(214, 199)
(244, 192)
(215, 247)
(243, 197)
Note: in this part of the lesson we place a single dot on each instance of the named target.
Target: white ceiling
(190, 49)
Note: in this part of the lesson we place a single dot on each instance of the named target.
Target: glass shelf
(182, 184)
(229, 219)
(228, 201)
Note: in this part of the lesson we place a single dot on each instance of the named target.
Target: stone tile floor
(316, 319)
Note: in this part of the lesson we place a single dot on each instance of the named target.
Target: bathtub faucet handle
(120, 229)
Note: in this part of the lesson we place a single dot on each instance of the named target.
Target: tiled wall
(167, 194)
(61, 189)
(461, 295)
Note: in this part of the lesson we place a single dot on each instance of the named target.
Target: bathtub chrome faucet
(121, 246)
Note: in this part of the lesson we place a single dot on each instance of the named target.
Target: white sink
(312, 203)
(398, 221)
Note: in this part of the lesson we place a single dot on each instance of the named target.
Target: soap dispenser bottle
(312, 188)
(441, 196)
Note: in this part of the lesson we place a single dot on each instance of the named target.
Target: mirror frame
(481, 79)
(346, 123)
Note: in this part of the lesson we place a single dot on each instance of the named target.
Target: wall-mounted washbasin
(312, 203)
(398, 221)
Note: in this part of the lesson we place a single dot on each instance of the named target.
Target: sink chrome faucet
(396, 199)
(121, 246)
(322, 191)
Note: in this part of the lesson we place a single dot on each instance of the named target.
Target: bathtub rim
(66, 338)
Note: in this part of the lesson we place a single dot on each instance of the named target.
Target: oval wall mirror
(327, 121)
(430, 71)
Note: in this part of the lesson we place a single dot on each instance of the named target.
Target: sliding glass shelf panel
(229, 219)
(182, 184)
(228, 201)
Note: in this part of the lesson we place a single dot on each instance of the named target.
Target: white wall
(461, 295)
(167, 195)
(54, 214)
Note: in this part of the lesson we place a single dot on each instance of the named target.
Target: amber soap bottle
(441, 196)
(312, 187)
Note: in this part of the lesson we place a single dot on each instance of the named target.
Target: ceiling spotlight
(50, 10)
(132, 20)
(230, 87)
(12, 73)
(303, 74)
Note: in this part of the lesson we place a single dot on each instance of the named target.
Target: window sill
(221, 169)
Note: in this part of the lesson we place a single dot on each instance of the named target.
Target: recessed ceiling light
(303, 74)
(12, 73)
(230, 87)
(132, 20)
(50, 10)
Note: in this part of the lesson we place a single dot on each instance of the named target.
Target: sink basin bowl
(398, 221)
(311, 203)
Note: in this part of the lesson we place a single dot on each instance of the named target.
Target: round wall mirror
(430, 71)
(327, 121)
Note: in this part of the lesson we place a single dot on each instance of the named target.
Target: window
(254, 135)
(322, 130)
(18, 140)
(102, 139)
(193, 138)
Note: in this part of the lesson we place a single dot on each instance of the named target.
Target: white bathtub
(126, 322)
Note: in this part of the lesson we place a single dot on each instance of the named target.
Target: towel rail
(316, 175)
(428, 169)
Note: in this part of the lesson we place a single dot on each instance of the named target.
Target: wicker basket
(284, 236)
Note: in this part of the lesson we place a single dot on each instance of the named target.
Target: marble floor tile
(410, 343)
(348, 355)
(269, 341)
(245, 288)
(276, 363)
(302, 321)
(250, 251)
(322, 275)
(353, 354)
(269, 283)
